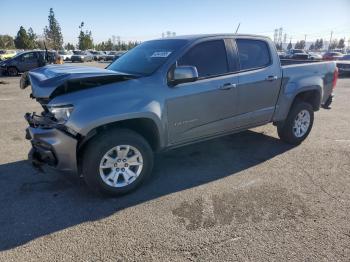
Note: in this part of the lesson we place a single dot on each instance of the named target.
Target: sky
(144, 20)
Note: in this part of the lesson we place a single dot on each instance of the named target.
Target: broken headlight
(61, 113)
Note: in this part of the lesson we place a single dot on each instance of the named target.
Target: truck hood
(53, 80)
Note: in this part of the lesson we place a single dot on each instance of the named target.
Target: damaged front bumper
(50, 145)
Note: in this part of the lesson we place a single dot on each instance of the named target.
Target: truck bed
(318, 72)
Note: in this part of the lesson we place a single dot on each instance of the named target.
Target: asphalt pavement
(243, 197)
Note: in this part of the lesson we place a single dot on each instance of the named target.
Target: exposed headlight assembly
(61, 113)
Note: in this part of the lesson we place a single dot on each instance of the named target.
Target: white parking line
(6, 99)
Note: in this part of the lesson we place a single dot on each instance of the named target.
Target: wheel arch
(146, 127)
(14, 66)
(311, 96)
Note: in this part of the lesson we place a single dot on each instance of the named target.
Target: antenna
(46, 53)
(239, 24)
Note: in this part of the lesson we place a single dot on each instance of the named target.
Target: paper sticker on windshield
(161, 54)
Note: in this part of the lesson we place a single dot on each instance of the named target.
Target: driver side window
(209, 58)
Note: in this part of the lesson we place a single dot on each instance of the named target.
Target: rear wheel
(117, 161)
(298, 124)
(12, 71)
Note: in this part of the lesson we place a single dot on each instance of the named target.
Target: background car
(98, 55)
(6, 54)
(344, 65)
(282, 54)
(315, 56)
(65, 55)
(28, 60)
(82, 56)
(109, 56)
(295, 52)
(119, 54)
(301, 56)
(332, 56)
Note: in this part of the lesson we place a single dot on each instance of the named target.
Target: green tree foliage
(108, 45)
(69, 46)
(32, 39)
(279, 46)
(52, 32)
(312, 46)
(341, 44)
(25, 40)
(290, 46)
(22, 39)
(85, 40)
(300, 45)
(318, 44)
(6, 42)
(333, 44)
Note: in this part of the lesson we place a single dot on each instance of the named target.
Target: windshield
(147, 57)
(79, 53)
(296, 51)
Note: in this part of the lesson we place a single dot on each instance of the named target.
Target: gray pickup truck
(105, 124)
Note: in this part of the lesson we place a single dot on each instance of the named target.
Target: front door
(203, 108)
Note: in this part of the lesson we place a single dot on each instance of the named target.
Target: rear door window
(253, 54)
(209, 58)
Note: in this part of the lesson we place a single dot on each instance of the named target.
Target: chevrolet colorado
(105, 124)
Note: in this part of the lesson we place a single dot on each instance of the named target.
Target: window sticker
(161, 54)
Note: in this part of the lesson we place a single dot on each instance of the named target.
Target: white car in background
(65, 55)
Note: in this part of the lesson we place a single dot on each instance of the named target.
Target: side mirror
(184, 74)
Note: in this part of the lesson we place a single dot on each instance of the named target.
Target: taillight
(335, 77)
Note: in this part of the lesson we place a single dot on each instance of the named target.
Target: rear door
(28, 61)
(202, 108)
(259, 81)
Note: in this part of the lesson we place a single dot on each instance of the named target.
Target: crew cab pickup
(105, 124)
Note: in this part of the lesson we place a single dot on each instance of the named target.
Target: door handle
(271, 78)
(227, 86)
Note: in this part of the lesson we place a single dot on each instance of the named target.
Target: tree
(85, 40)
(52, 33)
(290, 46)
(6, 42)
(279, 46)
(320, 44)
(300, 45)
(312, 46)
(22, 39)
(31, 39)
(69, 46)
(108, 45)
(341, 43)
(333, 44)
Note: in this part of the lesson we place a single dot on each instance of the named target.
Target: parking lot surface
(244, 197)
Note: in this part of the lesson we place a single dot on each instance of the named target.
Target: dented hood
(54, 80)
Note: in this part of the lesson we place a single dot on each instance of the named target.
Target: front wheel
(117, 161)
(12, 71)
(298, 124)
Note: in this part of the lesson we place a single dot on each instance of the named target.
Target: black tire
(285, 129)
(100, 145)
(12, 71)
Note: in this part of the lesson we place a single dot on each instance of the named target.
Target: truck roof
(200, 36)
